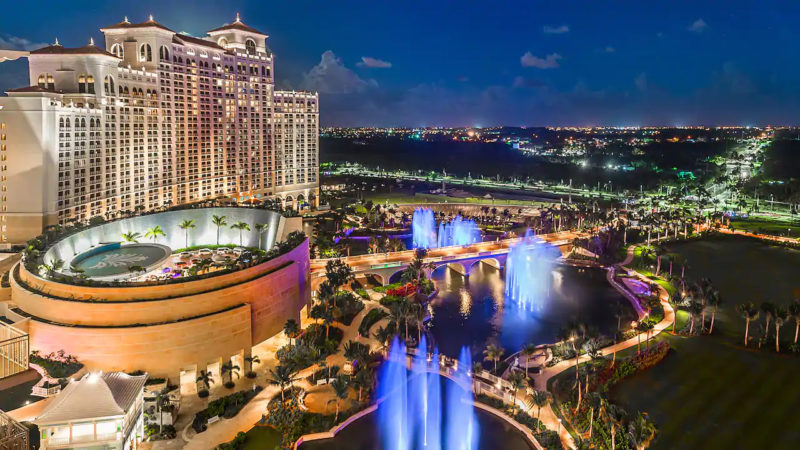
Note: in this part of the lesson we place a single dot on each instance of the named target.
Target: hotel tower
(152, 119)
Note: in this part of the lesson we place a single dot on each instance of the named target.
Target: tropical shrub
(374, 316)
(56, 364)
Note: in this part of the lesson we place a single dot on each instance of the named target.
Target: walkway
(549, 418)
(226, 429)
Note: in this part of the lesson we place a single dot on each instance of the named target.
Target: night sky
(484, 63)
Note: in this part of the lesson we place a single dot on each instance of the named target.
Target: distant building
(101, 410)
(152, 119)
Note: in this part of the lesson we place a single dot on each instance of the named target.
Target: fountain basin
(364, 433)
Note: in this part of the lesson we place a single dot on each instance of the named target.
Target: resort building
(100, 410)
(151, 119)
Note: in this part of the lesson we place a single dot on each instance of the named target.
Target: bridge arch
(373, 278)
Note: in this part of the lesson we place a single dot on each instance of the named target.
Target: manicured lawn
(767, 227)
(710, 392)
(262, 438)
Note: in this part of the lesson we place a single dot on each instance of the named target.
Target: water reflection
(473, 311)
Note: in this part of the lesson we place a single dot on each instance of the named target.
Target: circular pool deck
(112, 261)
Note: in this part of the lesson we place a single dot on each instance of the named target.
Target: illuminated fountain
(459, 231)
(529, 268)
(414, 415)
(423, 227)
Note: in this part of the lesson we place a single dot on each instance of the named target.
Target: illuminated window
(250, 47)
(145, 53)
(117, 50)
(108, 85)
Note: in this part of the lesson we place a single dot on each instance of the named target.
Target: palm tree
(131, 236)
(595, 402)
(155, 232)
(186, 225)
(540, 399)
(714, 301)
(240, 226)
(230, 369)
(614, 417)
(401, 311)
(517, 381)
(249, 361)
(794, 313)
(695, 309)
(781, 316)
(640, 430)
(340, 388)
(768, 308)
(493, 353)
(261, 228)
(383, 334)
(749, 312)
(205, 378)
(529, 350)
(363, 379)
(219, 221)
(418, 314)
(282, 376)
(291, 329)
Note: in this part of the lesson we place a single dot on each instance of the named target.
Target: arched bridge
(386, 267)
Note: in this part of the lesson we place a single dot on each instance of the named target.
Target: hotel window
(250, 47)
(109, 85)
(117, 50)
(145, 53)
(163, 53)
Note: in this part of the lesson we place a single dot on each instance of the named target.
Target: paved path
(549, 418)
(226, 429)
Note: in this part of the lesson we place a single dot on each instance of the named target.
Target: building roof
(57, 49)
(185, 38)
(237, 25)
(125, 24)
(28, 89)
(94, 396)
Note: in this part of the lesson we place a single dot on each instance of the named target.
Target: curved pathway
(226, 429)
(548, 416)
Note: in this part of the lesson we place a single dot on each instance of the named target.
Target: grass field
(711, 392)
(262, 438)
(767, 227)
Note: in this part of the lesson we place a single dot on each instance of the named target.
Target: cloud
(548, 62)
(609, 49)
(562, 29)
(523, 82)
(698, 26)
(331, 76)
(373, 63)
(462, 78)
(19, 43)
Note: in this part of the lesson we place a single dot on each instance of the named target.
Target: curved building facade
(164, 328)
